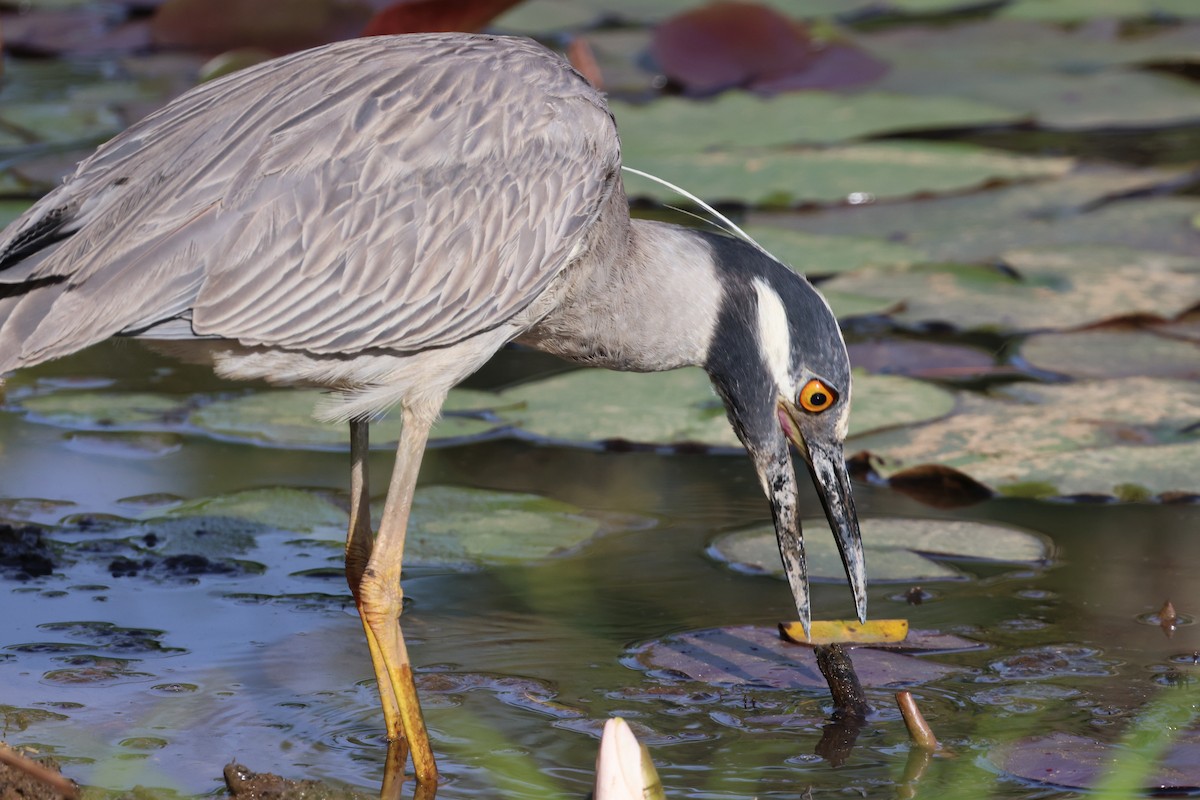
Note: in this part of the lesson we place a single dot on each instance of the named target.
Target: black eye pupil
(818, 398)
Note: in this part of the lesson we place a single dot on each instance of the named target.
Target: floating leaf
(843, 631)
(1115, 353)
(100, 410)
(282, 509)
(1074, 210)
(1085, 438)
(1049, 288)
(456, 526)
(1061, 78)
(285, 419)
(924, 359)
(894, 548)
(734, 44)
(680, 406)
(751, 655)
(1081, 10)
(814, 255)
(674, 125)
(1078, 762)
(861, 172)
(886, 401)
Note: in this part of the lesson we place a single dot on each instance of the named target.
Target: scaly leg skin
(380, 601)
(359, 542)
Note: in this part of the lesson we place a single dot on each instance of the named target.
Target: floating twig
(918, 728)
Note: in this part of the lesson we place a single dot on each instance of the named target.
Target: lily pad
(1098, 437)
(895, 548)
(1061, 78)
(675, 125)
(1078, 10)
(1102, 353)
(285, 419)
(886, 401)
(924, 359)
(854, 173)
(814, 255)
(104, 410)
(680, 406)
(1053, 288)
(1074, 210)
(749, 655)
(451, 525)
(282, 509)
(1078, 762)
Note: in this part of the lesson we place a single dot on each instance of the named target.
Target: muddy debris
(24, 553)
(243, 784)
(26, 778)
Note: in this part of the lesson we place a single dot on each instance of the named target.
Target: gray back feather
(395, 192)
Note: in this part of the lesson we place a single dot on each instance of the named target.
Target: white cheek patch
(774, 335)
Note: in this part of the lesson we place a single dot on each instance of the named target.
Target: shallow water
(519, 664)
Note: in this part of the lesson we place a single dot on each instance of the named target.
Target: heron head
(778, 360)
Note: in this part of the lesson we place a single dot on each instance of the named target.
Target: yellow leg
(359, 543)
(380, 601)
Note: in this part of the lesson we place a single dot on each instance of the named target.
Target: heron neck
(645, 302)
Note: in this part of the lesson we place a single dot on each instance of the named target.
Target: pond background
(1051, 187)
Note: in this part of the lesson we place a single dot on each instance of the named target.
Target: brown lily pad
(921, 359)
(751, 655)
(731, 44)
(1078, 762)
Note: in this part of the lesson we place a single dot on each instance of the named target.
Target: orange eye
(816, 396)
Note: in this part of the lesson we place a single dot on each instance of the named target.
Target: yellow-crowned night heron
(378, 217)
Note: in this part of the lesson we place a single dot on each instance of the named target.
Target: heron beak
(828, 466)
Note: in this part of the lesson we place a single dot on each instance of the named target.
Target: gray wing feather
(398, 192)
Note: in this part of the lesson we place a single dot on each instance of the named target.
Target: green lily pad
(814, 254)
(1061, 78)
(1070, 211)
(676, 125)
(1113, 354)
(281, 509)
(1098, 437)
(197, 534)
(895, 548)
(1056, 288)
(592, 405)
(680, 406)
(860, 173)
(285, 419)
(1079, 10)
(452, 525)
(887, 401)
(101, 410)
